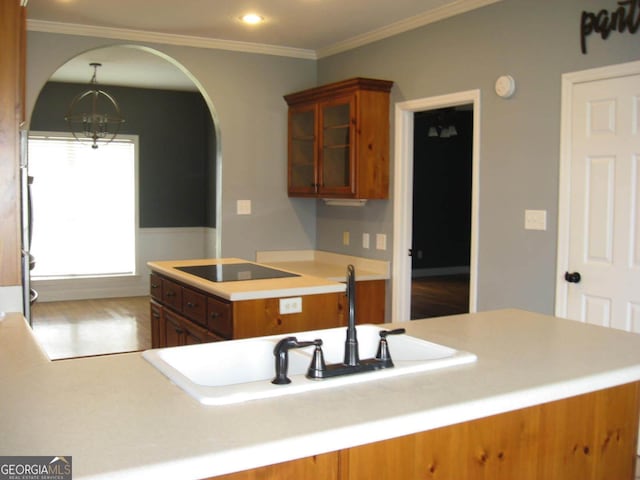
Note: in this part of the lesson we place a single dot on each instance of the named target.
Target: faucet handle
(397, 331)
(383, 354)
(317, 367)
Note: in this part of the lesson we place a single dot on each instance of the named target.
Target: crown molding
(449, 10)
(432, 16)
(166, 38)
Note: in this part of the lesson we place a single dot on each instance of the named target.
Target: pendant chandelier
(94, 114)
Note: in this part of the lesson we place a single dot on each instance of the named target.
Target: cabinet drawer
(219, 317)
(194, 306)
(155, 286)
(171, 294)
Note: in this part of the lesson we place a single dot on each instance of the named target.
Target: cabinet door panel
(302, 150)
(157, 327)
(174, 332)
(194, 335)
(336, 169)
(337, 156)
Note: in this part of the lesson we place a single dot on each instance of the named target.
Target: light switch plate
(345, 238)
(243, 207)
(535, 219)
(381, 241)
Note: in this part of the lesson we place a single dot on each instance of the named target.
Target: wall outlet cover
(290, 305)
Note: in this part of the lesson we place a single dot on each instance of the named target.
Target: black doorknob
(572, 277)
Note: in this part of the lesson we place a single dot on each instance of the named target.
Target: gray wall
(244, 92)
(535, 41)
(176, 141)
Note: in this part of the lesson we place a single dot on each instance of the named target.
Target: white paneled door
(602, 261)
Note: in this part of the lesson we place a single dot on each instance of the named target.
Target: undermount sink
(235, 371)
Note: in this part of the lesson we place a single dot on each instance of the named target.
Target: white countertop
(332, 266)
(305, 284)
(120, 418)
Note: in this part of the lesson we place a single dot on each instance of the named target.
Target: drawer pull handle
(191, 305)
(153, 285)
(171, 294)
(215, 314)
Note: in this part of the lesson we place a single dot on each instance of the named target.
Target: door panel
(604, 203)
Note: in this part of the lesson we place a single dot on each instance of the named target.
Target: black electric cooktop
(234, 272)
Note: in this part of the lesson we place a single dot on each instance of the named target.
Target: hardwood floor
(92, 327)
(438, 296)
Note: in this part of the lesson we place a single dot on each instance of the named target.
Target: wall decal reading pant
(625, 17)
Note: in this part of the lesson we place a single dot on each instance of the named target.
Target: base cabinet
(591, 436)
(183, 315)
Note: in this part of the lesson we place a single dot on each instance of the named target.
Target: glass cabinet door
(336, 154)
(302, 150)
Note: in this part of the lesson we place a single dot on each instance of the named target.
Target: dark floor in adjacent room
(439, 295)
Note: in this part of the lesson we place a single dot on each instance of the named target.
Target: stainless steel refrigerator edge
(29, 295)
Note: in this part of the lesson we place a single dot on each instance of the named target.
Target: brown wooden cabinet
(183, 315)
(12, 73)
(338, 144)
(588, 436)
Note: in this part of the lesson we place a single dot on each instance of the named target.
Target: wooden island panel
(590, 436)
(255, 318)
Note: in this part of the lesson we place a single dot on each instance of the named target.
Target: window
(84, 206)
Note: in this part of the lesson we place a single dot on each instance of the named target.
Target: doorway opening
(403, 197)
(441, 222)
(97, 311)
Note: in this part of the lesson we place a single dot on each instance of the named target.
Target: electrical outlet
(365, 240)
(535, 219)
(381, 241)
(345, 238)
(290, 305)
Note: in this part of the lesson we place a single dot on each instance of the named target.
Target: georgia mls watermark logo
(35, 468)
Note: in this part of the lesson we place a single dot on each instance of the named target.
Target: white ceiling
(296, 28)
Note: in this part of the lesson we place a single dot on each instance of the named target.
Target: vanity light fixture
(94, 114)
(252, 18)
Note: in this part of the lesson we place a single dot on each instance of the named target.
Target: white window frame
(135, 140)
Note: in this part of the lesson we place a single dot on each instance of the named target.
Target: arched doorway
(178, 174)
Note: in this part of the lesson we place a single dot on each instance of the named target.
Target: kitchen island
(207, 300)
(547, 398)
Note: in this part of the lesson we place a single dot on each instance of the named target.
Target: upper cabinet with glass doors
(339, 140)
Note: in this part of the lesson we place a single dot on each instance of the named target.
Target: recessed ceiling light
(252, 18)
